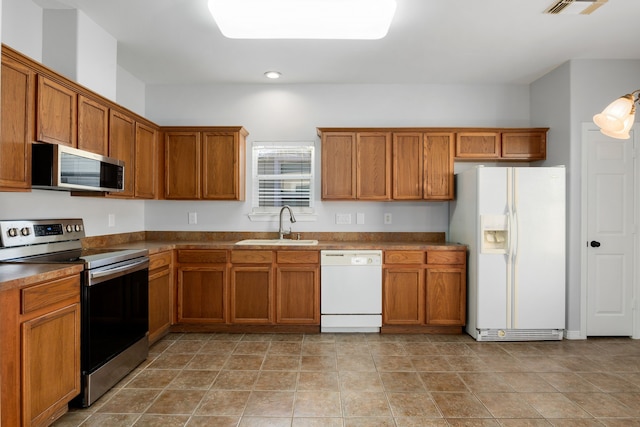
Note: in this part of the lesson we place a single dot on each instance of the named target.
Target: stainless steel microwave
(58, 167)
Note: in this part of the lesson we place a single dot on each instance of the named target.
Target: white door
(610, 235)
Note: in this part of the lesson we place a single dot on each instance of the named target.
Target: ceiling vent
(574, 7)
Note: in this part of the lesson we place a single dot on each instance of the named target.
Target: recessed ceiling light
(303, 19)
(272, 74)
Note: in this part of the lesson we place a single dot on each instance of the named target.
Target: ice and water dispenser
(495, 234)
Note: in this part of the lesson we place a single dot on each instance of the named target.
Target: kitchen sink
(277, 242)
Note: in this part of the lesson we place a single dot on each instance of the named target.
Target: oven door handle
(127, 268)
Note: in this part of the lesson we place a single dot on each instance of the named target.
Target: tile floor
(368, 380)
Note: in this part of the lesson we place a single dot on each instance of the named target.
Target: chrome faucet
(291, 218)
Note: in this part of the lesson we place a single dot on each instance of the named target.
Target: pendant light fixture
(303, 19)
(617, 119)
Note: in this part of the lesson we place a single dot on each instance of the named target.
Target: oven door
(115, 311)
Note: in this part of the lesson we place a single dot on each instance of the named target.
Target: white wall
(22, 27)
(283, 112)
(130, 91)
(563, 100)
(79, 49)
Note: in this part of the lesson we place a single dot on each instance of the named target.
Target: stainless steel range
(114, 296)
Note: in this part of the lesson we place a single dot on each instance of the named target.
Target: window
(282, 175)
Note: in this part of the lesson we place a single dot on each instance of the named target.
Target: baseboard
(573, 335)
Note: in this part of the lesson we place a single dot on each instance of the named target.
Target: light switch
(112, 220)
(360, 218)
(193, 217)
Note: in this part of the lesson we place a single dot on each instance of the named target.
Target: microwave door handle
(128, 268)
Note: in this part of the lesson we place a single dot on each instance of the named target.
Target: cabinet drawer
(446, 257)
(197, 256)
(159, 260)
(252, 257)
(50, 293)
(298, 257)
(403, 257)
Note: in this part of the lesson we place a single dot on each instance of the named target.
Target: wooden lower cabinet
(202, 286)
(424, 289)
(403, 296)
(251, 287)
(40, 331)
(161, 299)
(298, 287)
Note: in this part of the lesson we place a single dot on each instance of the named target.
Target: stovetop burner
(55, 242)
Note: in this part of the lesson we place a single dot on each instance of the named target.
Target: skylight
(303, 19)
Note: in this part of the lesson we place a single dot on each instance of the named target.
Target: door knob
(594, 244)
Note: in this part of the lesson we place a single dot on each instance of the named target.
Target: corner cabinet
(202, 286)
(205, 163)
(424, 291)
(40, 332)
(161, 291)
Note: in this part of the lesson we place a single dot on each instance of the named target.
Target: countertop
(16, 275)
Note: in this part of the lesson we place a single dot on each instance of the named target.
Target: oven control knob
(78, 227)
(69, 228)
(25, 231)
(13, 232)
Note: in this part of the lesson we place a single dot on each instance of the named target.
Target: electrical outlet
(343, 218)
(193, 217)
(387, 218)
(111, 220)
(360, 218)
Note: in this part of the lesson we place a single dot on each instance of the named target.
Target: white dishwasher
(350, 291)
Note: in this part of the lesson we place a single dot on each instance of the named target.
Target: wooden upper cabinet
(408, 165)
(93, 126)
(503, 144)
(373, 170)
(146, 162)
(438, 166)
(339, 165)
(223, 165)
(16, 133)
(122, 133)
(478, 145)
(56, 113)
(524, 145)
(182, 165)
(205, 163)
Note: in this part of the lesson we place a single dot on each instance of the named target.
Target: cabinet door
(524, 145)
(182, 165)
(251, 291)
(223, 166)
(298, 295)
(374, 166)
(56, 113)
(202, 294)
(146, 156)
(160, 295)
(16, 132)
(338, 165)
(407, 166)
(122, 131)
(403, 296)
(478, 145)
(51, 364)
(446, 296)
(93, 126)
(438, 166)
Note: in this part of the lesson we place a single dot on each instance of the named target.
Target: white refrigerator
(513, 221)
